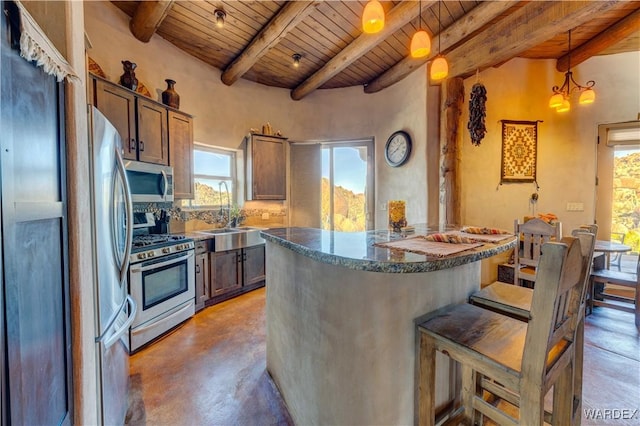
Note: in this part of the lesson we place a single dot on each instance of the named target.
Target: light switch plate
(383, 206)
(265, 216)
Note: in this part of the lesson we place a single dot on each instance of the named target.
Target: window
(212, 169)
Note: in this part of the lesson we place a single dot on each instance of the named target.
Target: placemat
(430, 248)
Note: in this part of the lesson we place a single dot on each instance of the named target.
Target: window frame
(233, 171)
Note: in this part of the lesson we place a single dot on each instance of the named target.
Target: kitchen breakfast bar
(340, 317)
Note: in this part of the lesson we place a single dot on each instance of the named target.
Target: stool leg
(425, 399)
(469, 389)
(577, 373)
(563, 396)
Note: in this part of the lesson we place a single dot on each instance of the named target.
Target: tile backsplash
(267, 214)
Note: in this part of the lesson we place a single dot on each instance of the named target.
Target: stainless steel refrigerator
(112, 232)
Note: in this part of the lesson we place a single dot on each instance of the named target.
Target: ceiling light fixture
(220, 16)
(420, 42)
(373, 17)
(296, 60)
(560, 98)
(439, 66)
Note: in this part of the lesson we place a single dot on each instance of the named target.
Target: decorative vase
(128, 79)
(170, 97)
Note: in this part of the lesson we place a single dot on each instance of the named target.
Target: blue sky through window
(350, 170)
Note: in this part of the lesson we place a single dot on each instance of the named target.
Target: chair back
(587, 237)
(533, 234)
(555, 305)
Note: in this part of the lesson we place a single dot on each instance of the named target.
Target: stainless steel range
(161, 281)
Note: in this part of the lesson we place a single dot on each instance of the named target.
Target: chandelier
(560, 98)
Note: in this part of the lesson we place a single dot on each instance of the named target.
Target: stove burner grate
(147, 240)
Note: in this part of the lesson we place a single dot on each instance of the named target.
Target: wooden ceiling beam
(284, 21)
(534, 23)
(615, 33)
(459, 30)
(148, 17)
(398, 17)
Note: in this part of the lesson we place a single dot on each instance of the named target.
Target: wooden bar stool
(506, 358)
(516, 302)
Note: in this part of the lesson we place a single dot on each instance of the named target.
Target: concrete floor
(211, 371)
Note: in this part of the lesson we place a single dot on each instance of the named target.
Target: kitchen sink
(234, 238)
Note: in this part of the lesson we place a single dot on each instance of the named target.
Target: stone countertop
(196, 236)
(356, 250)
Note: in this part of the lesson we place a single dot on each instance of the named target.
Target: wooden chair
(506, 358)
(613, 301)
(616, 258)
(516, 302)
(533, 234)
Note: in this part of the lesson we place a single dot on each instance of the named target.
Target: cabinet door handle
(141, 145)
(197, 269)
(132, 145)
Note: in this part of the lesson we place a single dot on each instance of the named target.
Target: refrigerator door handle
(129, 220)
(133, 309)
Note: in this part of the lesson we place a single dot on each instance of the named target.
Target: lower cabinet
(226, 274)
(226, 271)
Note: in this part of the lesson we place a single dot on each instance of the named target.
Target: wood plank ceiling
(259, 37)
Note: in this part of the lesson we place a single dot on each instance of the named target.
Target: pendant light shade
(439, 68)
(420, 44)
(556, 100)
(587, 97)
(561, 94)
(373, 17)
(566, 106)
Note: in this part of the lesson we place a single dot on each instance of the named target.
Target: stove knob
(142, 255)
(179, 247)
(151, 254)
(166, 250)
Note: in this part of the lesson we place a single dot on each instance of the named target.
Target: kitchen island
(340, 317)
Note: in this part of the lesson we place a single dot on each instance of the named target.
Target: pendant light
(373, 17)
(420, 42)
(439, 66)
(560, 98)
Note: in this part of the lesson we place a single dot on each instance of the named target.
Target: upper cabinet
(141, 122)
(266, 167)
(181, 153)
(153, 140)
(151, 132)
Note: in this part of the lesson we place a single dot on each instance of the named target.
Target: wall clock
(398, 148)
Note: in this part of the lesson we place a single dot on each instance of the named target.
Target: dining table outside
(608, 247)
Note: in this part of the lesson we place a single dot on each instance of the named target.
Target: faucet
(228, 201)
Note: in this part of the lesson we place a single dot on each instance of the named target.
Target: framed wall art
(519, 151)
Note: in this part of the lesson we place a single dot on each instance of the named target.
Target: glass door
(347, 186)
(617, 205)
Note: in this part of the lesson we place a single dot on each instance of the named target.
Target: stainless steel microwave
(149, 182)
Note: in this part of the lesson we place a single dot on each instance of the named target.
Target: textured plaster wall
(224, 115)
(520, 90)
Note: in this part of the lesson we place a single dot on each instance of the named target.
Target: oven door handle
(129, 219)
(124, 327)
(138, 268)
